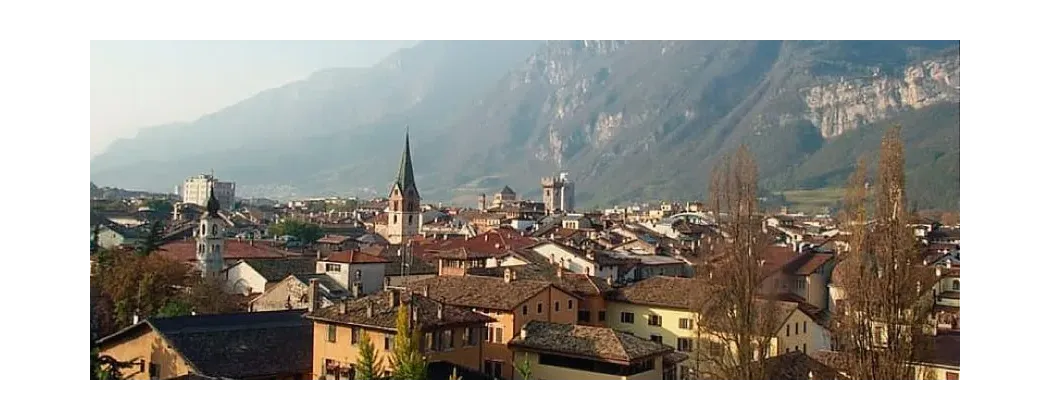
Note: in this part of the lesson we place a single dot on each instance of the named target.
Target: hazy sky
(136, 84)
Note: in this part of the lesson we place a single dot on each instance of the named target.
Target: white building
(196, 190)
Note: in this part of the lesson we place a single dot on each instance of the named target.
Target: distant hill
(628, 120)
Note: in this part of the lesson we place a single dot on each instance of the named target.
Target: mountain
(629, 120)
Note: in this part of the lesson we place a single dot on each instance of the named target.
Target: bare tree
(879, 328)
(734, 327)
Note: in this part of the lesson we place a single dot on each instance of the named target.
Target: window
(627, 317)
(154, 371)
(657, 338)
(524, 309)
(410, 219)
(601, 316)
(395, 216)
(796, 328)
(955, 285)
(332, 268)
(685, 323)
(539, 308)
(685, 344)
(486, 334)
(557, 306)
(331, 333)
(583, 316)
(355, 335)
(499, 334)
(494, 368)
(472, 336)
(570, 303)
(796, 348)
(803, 326)
(803, 347)
(432, 341)
(655, 320)
(388, 342)
(800, 284)
(788, 328)
(715, 349)
(446, 340)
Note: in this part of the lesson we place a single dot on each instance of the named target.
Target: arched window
(214, 229)
(204, 228)
(955, 284)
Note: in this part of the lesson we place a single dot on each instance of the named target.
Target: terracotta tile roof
(582, 284)
(662, 291)
(479, 291)
(599, 343)
(186, 250)
(675, 358)
(355, 257)
(384, 316)
(810, 262)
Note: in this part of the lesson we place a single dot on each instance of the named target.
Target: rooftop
(662, 291)
(277, 269)
(237, 345)
(186, 250)
(598, 343)
(355, 257)
(479, 291)
(384, 316)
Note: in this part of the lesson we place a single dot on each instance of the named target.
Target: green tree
(524, 369)
(409, 362)
(367, 360)
(175, 307)
(306, 232)
(152, 241)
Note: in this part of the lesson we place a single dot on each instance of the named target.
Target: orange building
(450, 334)
(509, 301)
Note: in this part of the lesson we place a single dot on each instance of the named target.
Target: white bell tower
(211, 238)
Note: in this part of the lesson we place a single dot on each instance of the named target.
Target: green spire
(405, 177)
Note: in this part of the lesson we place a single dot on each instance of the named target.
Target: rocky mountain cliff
(627, 120)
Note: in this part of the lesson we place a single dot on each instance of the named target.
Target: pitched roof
(384, 316)
(237, 345)
(278, 268)
(479, 291)
(797, 365)
(355, 257)
(598, 343)
(186, 250)
(333, 239)
(662, 291)
(506, 190)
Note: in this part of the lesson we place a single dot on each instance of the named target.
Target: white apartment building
(196, 190)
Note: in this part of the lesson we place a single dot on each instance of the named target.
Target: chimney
(343, 305)
(312, 296)
(938, 271)
(415, 314)
(560, 271)
(370, 309)
(318, 254)
(441, 310)
(135, 319)
(355, 290)
(394, 298)
(426, 290)
(508, 275)
(948, 263)
(524, 333)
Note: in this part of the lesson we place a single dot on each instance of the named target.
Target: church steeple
(406, 180)
(213, 204)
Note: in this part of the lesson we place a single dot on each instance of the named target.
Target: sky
(138, 84)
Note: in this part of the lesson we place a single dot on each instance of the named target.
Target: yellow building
(573, 352)
(450, 334)
(661, 309)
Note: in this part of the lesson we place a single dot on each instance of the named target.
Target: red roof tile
(186, 250)
(355, 257)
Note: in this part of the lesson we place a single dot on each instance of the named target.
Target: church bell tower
(403, 220)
